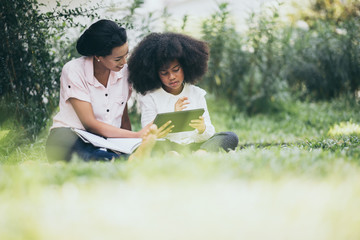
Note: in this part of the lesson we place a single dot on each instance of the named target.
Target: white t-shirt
(160, 101)
(78, 81)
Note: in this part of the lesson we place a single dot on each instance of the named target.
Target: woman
(163, 68)
(93, 97)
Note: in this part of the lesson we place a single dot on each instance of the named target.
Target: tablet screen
(180, 119)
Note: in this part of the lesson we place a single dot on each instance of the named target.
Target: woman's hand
(160, 132)
(198, 124)
(164, 130)
(181, 104)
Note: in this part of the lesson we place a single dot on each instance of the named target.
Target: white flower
(45, 99)
(341, 31)
(246, 48)
(302, 25)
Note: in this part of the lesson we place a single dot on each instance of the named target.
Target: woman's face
(117, 59)
(172, 77)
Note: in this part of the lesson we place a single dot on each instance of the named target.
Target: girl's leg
(163, 147)
(222, 140)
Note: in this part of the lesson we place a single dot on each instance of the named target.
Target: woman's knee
(60, 143)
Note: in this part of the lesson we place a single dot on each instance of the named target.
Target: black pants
(220, 141)
(62, 143)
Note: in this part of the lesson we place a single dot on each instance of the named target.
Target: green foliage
(301, 125)
(246, 68)
(34, 48)
(137, 24)
(30, 65)
(267, 39)
(326, 54)
(287, 156)
(259, 69)
(228, 62)
(326, 60)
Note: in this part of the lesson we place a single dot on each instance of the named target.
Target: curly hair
(159, 49)
(100, 38)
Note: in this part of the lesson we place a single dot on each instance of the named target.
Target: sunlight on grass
(3, 133)
(345, 129)
(307, 188)
(219, 209)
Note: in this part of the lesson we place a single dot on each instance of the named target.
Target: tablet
(180, 119)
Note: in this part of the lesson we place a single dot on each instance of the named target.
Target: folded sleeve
(73, 83)
(210, 129)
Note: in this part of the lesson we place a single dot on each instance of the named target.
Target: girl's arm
(209, 128)
(85, 113)
(125, 121)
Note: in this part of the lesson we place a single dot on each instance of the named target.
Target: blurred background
(263, 53)
(283, 75)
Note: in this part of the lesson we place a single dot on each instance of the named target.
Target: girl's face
(172, 77)
(117, 59)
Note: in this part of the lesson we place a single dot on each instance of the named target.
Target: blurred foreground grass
(295, 176)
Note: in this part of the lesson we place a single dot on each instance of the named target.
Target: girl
(93, 97)
(163, 68)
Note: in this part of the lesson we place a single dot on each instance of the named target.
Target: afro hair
(159, 49)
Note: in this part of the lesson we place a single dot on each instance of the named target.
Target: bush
(30, 65)
(260, 69)
(227, 64)
(246, 68)
(33, 50)
(325, 54)
(327, 62)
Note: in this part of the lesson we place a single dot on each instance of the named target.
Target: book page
(128, 143)
(124, 145)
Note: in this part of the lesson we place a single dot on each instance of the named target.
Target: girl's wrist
(203, 130)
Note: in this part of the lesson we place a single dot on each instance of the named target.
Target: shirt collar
(113, 78)
(89, 71)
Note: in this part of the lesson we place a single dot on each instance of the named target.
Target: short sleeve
(199, 92)
(73, 83)
(147, 108)
(130, 91)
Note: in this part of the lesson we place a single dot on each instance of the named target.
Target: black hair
(100, 38)
(159, 49)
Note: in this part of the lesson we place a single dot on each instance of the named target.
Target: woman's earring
(98, 60)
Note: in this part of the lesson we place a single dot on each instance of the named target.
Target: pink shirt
(78, 81)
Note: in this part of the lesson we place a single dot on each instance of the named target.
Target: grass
(295, 175)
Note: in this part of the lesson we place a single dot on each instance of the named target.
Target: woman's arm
(125, 121)
(85, 113)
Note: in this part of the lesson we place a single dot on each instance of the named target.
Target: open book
(123, 145)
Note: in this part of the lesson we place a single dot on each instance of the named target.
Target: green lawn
(295, 175)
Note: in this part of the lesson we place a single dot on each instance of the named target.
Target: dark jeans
(62, 143)
(220, 141)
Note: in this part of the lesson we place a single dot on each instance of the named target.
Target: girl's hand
(181, 104)
(198, 124)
